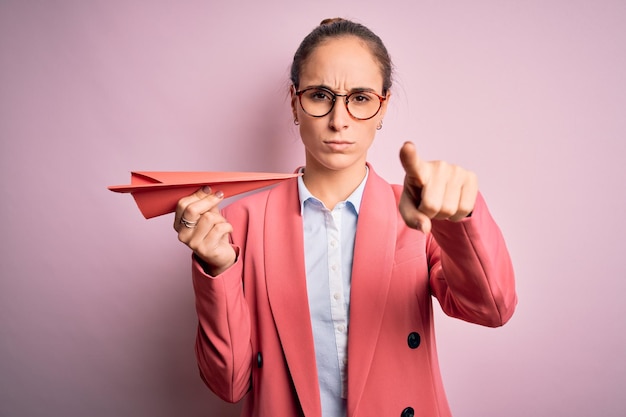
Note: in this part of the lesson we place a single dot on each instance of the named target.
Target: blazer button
(413, 340)
(259, 360)
(408, 412)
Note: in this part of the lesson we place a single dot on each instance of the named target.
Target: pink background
(96, 306)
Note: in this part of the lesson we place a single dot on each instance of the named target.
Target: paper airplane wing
(156, 193)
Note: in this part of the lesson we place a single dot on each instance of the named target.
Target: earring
(296, 122)
(380, 125)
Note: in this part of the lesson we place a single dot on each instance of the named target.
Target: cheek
(368, 130)
(309, 128)
(310, 121)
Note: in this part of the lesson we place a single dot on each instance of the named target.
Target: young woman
(314, 297)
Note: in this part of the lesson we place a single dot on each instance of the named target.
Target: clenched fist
(201, 227)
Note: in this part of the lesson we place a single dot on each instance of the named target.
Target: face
(337, 141)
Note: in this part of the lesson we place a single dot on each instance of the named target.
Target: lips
(338, 145)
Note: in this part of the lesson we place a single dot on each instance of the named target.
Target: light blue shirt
(328, 251)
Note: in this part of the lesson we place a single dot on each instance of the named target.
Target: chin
(337, 162)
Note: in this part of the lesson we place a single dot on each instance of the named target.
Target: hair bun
(331, 20)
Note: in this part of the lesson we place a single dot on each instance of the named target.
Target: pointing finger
(414, 167)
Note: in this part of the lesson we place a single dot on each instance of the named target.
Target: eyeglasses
(319, 101)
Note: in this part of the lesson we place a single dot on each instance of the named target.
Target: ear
(294, 102)
(383, 108)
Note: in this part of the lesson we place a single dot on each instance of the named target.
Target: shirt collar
(354, 199)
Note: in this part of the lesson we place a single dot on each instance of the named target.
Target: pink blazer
(254, 335)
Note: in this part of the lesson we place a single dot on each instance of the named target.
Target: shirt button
(334, 267)
(408, 412)
(333, 243)
(413, 340)
(337, 296)
(341, 328)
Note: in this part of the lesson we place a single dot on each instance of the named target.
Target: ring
(187, 223)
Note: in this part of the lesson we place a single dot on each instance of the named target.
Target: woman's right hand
(201, 227)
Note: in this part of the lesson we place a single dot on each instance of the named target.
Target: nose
(339, 118)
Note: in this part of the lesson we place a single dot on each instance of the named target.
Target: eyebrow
(353, 90)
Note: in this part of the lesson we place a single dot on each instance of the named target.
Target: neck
(332, 187)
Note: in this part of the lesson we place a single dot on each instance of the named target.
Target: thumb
(413, 165)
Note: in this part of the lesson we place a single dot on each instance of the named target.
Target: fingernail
(219, 194)
(206, 189)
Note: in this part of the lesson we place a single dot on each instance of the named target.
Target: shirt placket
(337, 300)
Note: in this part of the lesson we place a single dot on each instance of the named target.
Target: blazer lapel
(287, 293)
(371, 274)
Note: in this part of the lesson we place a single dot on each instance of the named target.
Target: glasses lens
(316, 101)
(363, 104)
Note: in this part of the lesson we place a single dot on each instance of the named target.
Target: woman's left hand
(434, 190)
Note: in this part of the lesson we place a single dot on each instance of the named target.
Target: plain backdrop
(96, 307)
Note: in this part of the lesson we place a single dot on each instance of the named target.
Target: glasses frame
(334, 95)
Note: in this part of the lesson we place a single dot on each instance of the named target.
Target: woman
(314, 297)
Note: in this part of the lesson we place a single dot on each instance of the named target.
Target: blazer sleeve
(223, 348)
(471, 273)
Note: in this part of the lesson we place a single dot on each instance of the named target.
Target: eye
(361, 97)
(317, 94)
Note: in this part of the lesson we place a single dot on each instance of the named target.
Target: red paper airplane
(157, 193)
